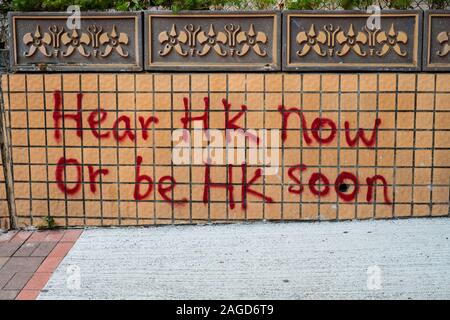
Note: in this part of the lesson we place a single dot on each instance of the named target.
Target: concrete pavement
(396, 259)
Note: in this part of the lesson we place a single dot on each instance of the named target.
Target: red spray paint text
(322, 130)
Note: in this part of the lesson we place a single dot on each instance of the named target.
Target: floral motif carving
(253, 40)
(311, 40)
(94, 42)
(172, 40)
(230, 41)
(333, 40)
(37, 41)
(73, 40)
(392, 40)
(443, 38)
(114, 41)
(349, 40)
(212, 40)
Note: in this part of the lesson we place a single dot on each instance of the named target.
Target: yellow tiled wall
(4, 217)
(412, 157)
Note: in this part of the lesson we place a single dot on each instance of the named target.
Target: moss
(49, 223)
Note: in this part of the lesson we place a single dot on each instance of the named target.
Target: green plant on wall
(355, 4)
(26, 5)
(49, 223)
(92, 4)
(439, 4)
(59, 5)
(133, 5)
(400, 4)
(5, 6)
(263, 4)
(177, 5)
(304, 4)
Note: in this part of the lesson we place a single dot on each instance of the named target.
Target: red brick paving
(38, 281)
(28, 294)
(72, 235)
(61, 250)
(28, 259)
(49, 264)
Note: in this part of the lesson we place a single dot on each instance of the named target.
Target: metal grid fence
(325, 5)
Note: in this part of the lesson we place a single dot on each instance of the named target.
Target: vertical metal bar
(246, 145)
(319, 202)
(83, 165)
(100, 150)
(171, 147)
(154, 146)
(414, 151)
(63, 134)
(394, 178)
(302, 106)
(375, 200)
(227, 180)
(30, 192)
(358, 104)
(135, 141)
(7, 162)
(339, 132)
(119, 200)
(209, 122)
(264, 144)
(282, 156)
(433, 141)
(44, 89)
(190, 155)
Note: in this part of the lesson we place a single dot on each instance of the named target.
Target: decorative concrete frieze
(213, 40)
(352, 40)
(436, 44)
(102, 41)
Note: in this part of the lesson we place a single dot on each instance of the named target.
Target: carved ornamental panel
(50, 42)
(437, 41)
(346, 41)
(220, 41)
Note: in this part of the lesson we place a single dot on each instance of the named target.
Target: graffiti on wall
(100, 149)
(122, 130)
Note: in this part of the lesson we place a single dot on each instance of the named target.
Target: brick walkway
(28, 259)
